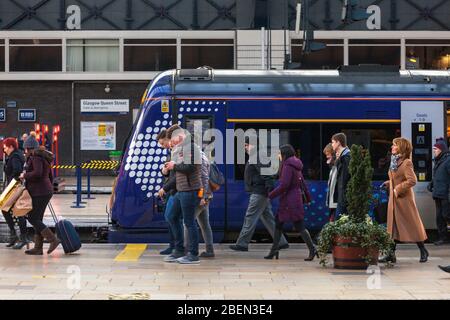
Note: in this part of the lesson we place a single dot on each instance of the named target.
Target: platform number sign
(2, 114)
(26, 115)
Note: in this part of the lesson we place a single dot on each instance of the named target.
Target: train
(370, 104)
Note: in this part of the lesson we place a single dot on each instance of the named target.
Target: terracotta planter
(348, 255)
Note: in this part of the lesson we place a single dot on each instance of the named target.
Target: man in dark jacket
(439, 186)
(339, 144)
(259, 207)
(186, 163)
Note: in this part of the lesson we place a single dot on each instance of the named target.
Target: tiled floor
(231, 275)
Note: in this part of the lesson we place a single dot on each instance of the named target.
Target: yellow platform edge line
(132, 252)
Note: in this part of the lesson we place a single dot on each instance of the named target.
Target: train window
(203, 122)
(376, 137)
(299, 136)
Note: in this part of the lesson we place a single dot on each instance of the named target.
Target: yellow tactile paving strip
(132, 252)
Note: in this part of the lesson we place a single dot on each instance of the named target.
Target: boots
(423, 252)
(275, 250)
(209, 253)
(38, 245)
(312, 249)
(12, 239)
(23, 241)
(51, 238)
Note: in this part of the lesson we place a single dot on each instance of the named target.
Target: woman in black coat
(13, 168)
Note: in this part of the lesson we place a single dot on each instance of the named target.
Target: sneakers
(173, 257)
(188, 259)
(166, 251)
(207, 254)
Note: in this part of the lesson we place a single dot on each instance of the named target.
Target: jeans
(202, 217)
(36, 215)
(169, 204)
(341, 209)
(174, 217)
(184, 205)
(258, 207)
(442, 217)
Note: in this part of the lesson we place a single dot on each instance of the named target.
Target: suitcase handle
(52, 211)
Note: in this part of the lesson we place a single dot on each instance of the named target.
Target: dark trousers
(21, 221)
(36, 215)
(442, 217)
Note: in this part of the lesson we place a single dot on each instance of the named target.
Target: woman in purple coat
(291, 201)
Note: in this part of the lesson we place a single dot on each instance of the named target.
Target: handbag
(23, 205)
(380, 211)
(10, 195)
(306, 195)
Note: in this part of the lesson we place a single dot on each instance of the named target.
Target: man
(339, 144)
(439, 186)
(22, 141)
(258, 186)
(186, 163)
(168, 190)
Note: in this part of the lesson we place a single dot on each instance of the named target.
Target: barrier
(91, 165)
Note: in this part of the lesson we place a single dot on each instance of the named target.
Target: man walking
(259, 207)
(339, 144)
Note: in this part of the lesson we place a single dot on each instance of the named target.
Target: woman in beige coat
(403, 219)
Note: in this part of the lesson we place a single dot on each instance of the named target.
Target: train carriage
(372, 105)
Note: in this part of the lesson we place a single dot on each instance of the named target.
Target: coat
(291, 201)
(342, 179)
(403, 219)
(255, 182)
(14, 165)
(439, 186)
(38, 174)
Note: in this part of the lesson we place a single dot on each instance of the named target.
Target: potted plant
(354, 238)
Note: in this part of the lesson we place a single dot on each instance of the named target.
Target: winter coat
(187, 173)
(440, 183)
(291, 203)
(403, 220)
(38, 175)
(14, 165)
(331, 189)
(342, 178)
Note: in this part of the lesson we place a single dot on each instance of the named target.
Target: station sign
(2, 114)
(26, 115)
(105, 106)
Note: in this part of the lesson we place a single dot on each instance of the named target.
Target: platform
(107, 269)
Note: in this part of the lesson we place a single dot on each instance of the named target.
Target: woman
(13, 168)
(403, 220)
(331, 159)
(39, 183)
(291, 201)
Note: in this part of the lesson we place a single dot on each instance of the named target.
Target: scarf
(394, 162)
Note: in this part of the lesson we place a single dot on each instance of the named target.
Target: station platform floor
(106, 271)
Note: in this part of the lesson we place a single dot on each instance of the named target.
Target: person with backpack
(290, 190)
(13, 168)
(39, 183)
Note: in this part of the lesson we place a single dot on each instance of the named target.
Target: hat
(31, 143)
(440, 144)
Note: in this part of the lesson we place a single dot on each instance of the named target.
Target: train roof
(374, 80)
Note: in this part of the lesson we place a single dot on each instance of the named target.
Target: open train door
(423, 122)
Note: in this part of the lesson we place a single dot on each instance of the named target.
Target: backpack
(216, 178)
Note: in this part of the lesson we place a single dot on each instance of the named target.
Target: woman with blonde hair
(403, 219)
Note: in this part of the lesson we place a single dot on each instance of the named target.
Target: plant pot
(349, 255)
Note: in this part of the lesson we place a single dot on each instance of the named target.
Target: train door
(423, 122)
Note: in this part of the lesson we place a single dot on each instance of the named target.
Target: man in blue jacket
(439, 186)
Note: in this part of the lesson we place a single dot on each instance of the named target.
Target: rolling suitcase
(66, 232)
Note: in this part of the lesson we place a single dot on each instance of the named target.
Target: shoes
(51, 238)
(441, 242)
(22, 242)
(272, 254)
(173, 257)
(166, 251)
(445, 268)
(388, 258)
(188, 259)
(38, 244)
(207, 254)
(284, 246)
(236, 247)
(13, 238)
(312, 254)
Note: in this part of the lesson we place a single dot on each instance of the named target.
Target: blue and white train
(371, 106)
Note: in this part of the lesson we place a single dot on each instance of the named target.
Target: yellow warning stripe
(132, 252)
